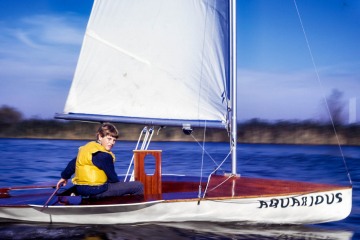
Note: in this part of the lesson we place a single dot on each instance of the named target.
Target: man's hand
(61, 183)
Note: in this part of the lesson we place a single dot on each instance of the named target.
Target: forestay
(164, 62)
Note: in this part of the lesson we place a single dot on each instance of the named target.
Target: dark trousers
(111, 189)
(122, 188)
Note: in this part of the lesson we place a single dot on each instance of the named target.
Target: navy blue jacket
(103, 161)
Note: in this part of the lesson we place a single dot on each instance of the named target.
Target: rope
(203, 149)
(207, 9)
(202, 161)
(322, 88)
(207, 185)
(202, 165)
(212, 189)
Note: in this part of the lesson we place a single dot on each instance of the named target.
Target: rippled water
(27, 162)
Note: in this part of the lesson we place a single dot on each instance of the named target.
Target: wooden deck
(186, 189)
(244, 187)
(181, 188)
(174, 188)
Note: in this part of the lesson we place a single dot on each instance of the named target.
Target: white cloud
(38, 59)
(24, 38)
(55, 29)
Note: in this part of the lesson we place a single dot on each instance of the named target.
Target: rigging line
(322, 89)
(203, 149)
(230, 176)
(202, 161)
(207, 185)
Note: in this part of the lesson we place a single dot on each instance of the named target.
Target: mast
(233, 78)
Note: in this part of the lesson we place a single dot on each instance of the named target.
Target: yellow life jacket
(86, 173)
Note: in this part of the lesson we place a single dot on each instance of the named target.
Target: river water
(37, 161)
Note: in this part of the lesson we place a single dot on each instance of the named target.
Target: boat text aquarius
(301, 201)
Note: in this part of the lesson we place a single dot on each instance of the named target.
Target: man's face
(107, 142)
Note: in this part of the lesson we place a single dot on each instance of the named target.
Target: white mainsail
(163, 61)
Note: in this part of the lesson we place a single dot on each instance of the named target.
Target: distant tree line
(13, 125)
(298, 132)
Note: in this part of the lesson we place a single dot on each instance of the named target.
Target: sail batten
(154, 60)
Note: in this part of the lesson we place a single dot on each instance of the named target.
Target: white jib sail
(154, 59)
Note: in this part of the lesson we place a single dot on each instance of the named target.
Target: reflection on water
(173, 231)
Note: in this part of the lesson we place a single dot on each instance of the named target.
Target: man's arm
(69, 170)
(104, 161)
(67, 173)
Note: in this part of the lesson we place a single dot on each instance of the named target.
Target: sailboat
(170, 63)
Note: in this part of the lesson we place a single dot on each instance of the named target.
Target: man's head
(107, 135)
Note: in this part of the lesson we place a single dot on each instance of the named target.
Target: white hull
(300, 209)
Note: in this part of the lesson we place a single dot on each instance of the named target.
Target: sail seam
(202, 58)
(93, 35)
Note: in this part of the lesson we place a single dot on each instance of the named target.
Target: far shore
(254, 131)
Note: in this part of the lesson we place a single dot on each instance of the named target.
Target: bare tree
(9, 115)
(335, 105)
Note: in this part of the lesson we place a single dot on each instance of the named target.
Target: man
(94, 168)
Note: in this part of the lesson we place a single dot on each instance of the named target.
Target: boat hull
(308, 208)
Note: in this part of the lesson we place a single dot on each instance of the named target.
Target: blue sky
(40, 42)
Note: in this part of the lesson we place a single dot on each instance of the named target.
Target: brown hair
(107, 129)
